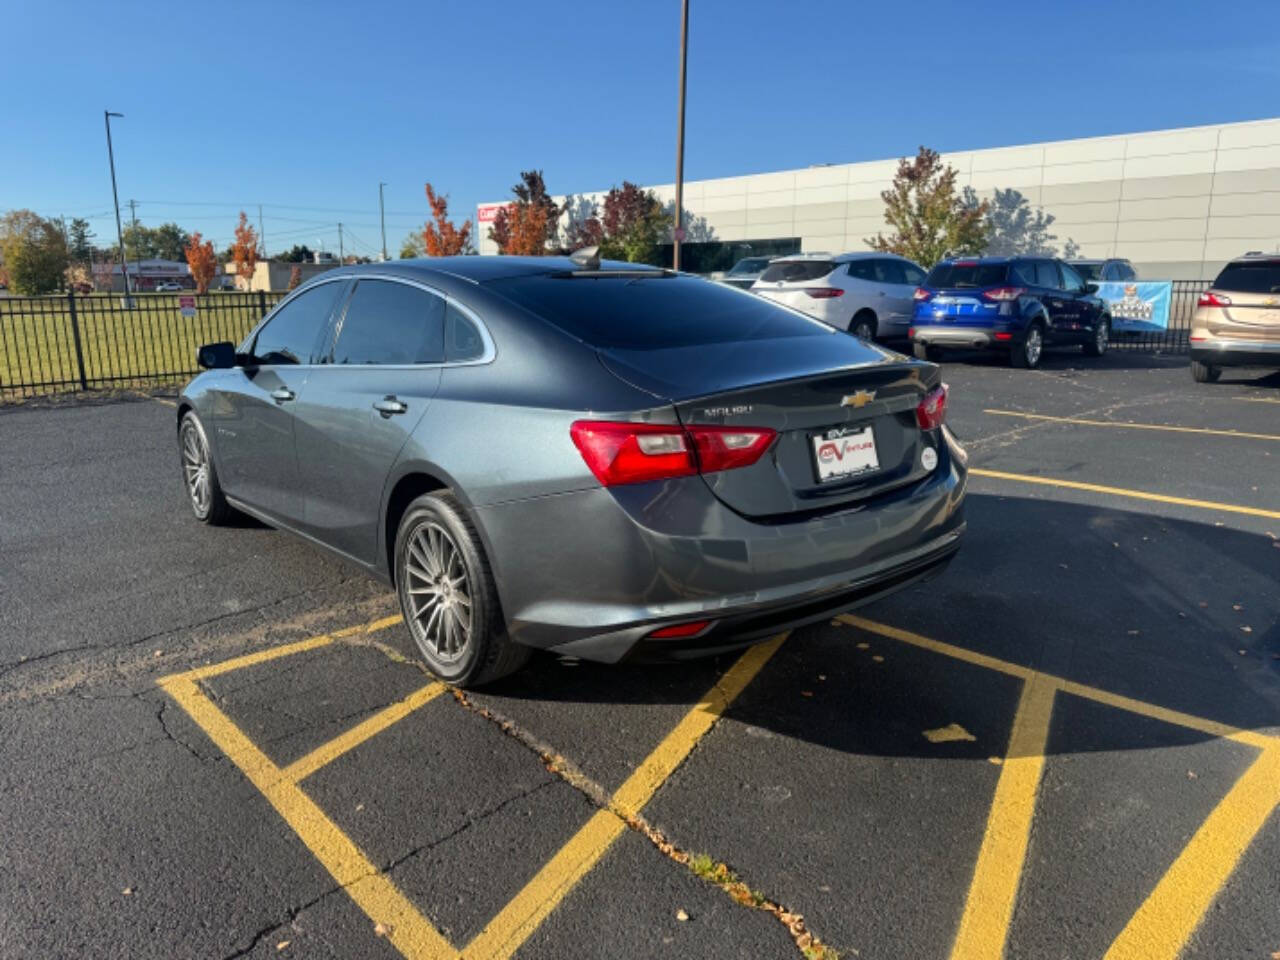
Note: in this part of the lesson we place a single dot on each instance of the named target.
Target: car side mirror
(1090, 288)
(217, 356)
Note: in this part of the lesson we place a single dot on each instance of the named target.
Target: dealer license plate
(845, 456)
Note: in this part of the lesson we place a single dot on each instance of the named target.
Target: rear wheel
(448, 597)
(863, 325)
(1101, 339)
(1204, 372)
(1026, 355)
(199, 475)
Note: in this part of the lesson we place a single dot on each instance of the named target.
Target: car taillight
(921, 294)
(932, 410)
(1211, 299)
(1001, 294)
(824, 293)
(619, 452)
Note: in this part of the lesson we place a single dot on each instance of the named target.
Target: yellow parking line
(1133, 426)
(373, 892)
(1122, 492)
(506, 932)
(938, 646)
(326, 753)
(988, 910)
(1165, 922)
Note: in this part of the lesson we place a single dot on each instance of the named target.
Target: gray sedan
(598, 459)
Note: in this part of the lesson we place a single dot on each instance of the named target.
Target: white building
(1177, 203)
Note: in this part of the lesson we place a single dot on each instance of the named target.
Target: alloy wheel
(439, 594)
(1033, 346)
(195, 468)
(1101, 336)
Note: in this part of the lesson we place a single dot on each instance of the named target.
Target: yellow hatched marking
(1165, 922)
(988, 911)
(326, 753)
(1123, 492)
(1133, 426)
(504, 935)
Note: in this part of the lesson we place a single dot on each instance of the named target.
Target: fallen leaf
(806, 693)
(1237, 606)
(282, 944)
(877, 658)
(127, 891)
(864, 646)
(159, 653)
(1191, 775)
(681, 915)
(948, 734)
(996, 760)
(382, 929)
(1246, 629)
(822, 676)
(359, 807)
(1134, 633)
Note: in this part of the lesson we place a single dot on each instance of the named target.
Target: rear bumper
(1237, 353)
(592, 573)
(959, 337)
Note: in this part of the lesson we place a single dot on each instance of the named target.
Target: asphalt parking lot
(1066, 746)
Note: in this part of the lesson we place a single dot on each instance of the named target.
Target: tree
(442, 238)
(295, 277)
(582, 227)
(34, 251)
(202, 261)
(412, 247)
(299, 254)
(245, 251)
(165, 242)
(1014, 228)
(531, 222)
(80, 240)
(634, 222)
(929, 217)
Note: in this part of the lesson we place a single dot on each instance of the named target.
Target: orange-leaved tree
(442, 238)
(245, 251)
(530, 223)
(202, 261)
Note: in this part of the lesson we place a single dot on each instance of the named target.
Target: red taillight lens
(689, 629)
(824, 293)
(932, 410)
(1210, 299)
(921, 294)
(619, 453)
(1001, 294)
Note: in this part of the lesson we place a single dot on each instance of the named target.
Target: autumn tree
(295, 277)
(441, 238)
(581, 227)
(634, 223)
(245, 251)
(34, 252)
(929, 216)
(531, 222)
(202, 261)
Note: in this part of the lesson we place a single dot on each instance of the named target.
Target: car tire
(1204, 372)
(863, 325)
(922, 351)
(1101, 339)
(1027, 354)
(199, 475)
(448, 597)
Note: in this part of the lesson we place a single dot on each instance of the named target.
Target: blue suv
(1015, 304)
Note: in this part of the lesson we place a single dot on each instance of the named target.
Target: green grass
(151, 343)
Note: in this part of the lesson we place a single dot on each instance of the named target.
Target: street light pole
(678, 236)
(382, 214)
(111, 158)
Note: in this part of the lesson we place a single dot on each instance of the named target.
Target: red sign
(488, 212)
(187, 306)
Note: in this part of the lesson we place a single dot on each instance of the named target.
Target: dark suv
(1015, 304)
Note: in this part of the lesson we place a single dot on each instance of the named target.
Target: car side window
(291, 335)
(890, 271)
(1127, 272)
(462, 341)
(1112, 271)
(861, 270)
(913, 274)
(391, 323)
(1047, 275)
(1070, 279)
(1025, 273)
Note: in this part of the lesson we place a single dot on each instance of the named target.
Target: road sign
(188, 306)
(680, 234)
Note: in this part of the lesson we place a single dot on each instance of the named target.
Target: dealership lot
(1068, 745)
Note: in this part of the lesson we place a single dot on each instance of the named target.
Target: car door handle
(282, 395)
(389, 405)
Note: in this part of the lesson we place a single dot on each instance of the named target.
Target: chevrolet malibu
(597, 459)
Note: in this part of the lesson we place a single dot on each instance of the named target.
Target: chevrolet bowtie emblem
(859, 399)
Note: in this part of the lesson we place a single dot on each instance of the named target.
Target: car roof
(841, 257)
(478, 269)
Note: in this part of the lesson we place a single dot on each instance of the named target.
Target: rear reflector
(1002, 294)
(692, 628)
(932, 410)
(1004, 336)
(1210, 299)
(824, 293)
(622, 452)
(922, 294)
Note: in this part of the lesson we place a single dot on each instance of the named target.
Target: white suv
(869, 294)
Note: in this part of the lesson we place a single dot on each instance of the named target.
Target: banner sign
(1137, 307)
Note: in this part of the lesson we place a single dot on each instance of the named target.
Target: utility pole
(382, 215)
(340, 256)
(262, 235)
(678, 236)
(111, 158)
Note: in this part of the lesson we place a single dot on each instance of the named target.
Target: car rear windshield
(956, 276)
(1260, 277)
(655, 312)
(797, 271)
(750, 266)
(1089, 271)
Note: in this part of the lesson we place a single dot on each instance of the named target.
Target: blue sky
(304, 108)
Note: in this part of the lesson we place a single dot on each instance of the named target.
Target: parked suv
(1015, 304)
(1102, 271)
(1237, 321)
(868, 294)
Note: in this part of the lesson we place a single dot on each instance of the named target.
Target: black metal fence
(81, 342)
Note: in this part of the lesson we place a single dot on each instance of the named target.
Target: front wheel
(1101, 339)
(199, 475)
(1204, 372)
(1026, 355)
(448, 597)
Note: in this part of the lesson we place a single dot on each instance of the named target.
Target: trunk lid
(1254, 290)
(826, 397)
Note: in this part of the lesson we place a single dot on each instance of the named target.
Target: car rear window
(1260, 277)
(797, 271)
(963, 275)
(653, 312)
(1089, 271)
